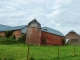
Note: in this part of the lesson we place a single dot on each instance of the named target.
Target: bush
(13, 37)
(8, 33)
(31, 58)
(22, 38)
(63, 41)
(11, 58)
(8, 41)
(44, 41)
(12, 40)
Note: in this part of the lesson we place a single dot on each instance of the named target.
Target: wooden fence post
(74, 51)
(28, 43)
(58, 52)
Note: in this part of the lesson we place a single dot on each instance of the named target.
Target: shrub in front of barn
(31, 58)
(22, 38)
(63, 41)
(8, 33)
(8, 41)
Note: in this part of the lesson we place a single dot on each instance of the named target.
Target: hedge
(8, 41)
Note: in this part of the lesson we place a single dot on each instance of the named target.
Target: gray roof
(34, 23)
(17, 27)
(24, 27)
(72, 31)
(49, 30)
(13, 28)
(3, 27)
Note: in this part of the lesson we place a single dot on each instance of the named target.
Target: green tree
(8, 33)
(63, 41)
(22, 38)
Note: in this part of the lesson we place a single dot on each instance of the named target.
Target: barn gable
(34, 23)
(73, 37)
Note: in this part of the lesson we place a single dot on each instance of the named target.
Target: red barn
(17, 30)
(36, 34)
(42, 36)
(52, 37)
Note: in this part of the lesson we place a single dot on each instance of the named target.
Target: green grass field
(19, 52)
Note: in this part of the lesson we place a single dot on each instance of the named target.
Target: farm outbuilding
(38, 35)
(35, 34)
(73, 37)
(17, 30)
(53, 37)
(2, 29)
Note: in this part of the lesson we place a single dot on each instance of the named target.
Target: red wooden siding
(52, 39)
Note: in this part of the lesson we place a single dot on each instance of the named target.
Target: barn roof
(18, 27)
(46, 29)
(72, 31)
(3, 27)
(53, 31)
(33, 23)
(12, 28)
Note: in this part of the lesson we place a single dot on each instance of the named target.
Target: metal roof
(24, 27)
(53, 31)
(18, 27)
(13, 28)
(72, 31)
(3, 27)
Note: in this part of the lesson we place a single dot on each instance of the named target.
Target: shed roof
(13, 28)
(45, 29)
(18, 27)
(53, 31)
(72, 31)
(3, 27)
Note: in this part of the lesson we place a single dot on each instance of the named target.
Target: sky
(61, 15)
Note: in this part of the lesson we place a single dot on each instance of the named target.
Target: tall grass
(19, 52)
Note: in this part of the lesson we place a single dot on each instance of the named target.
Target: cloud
(62, 15)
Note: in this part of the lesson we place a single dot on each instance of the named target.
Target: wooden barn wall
(17, 33)
(73, 36)
(51, 39)
(2, 34)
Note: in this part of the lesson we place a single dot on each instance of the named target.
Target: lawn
(19, 52)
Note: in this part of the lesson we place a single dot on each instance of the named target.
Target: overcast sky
(62, 15)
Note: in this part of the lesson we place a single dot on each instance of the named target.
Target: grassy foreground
(19, 52)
